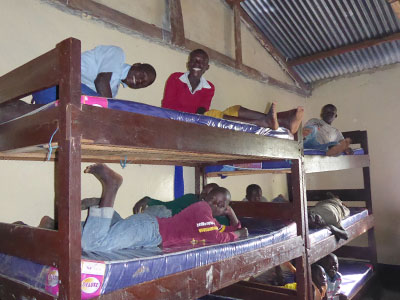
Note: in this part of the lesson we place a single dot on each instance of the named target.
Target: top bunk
(314, 161)
(110, 135)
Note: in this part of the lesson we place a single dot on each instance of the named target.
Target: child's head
(253, 193)
(140, 76)
(218, 199)
(315, 221)
(207, 189)
(318, 275)
(330, 264)
(198, 63)
(329, 113)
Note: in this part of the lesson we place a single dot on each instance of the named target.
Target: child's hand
(229, 211)
(141, 205)
(242, 232)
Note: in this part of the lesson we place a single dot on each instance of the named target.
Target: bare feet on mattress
(296, 119)
(339, 148)
(110, 180)
(47, 223)
(271, 118)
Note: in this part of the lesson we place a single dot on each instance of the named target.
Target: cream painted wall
(32, 27)
(369, 102)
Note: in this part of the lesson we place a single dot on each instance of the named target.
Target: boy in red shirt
(189, 91)
(105, 230)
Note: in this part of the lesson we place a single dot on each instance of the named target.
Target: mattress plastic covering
(106, 272)
(268, 165)
(354, 274)
(356, 214)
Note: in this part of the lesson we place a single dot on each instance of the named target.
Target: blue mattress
(125, 268)
(354, 274)
(356, 214)
(270, 165)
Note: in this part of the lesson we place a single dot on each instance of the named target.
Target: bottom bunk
(183, 272)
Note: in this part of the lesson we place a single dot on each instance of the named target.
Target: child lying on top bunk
(328, 214)
(290, 119)
(319, 134)
(105, 230)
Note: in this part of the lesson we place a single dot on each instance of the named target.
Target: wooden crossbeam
(176, 20)
(344, 49)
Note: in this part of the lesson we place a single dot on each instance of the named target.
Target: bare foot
(296, 119)
(47, 223)
(271, 118)
(110, 181)
(339, 148)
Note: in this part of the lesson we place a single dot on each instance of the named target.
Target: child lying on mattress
(321, 135)
(290, 119)
(330, 264)
(329, 214)
(105, 230)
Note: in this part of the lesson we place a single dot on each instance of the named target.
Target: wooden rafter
(238, 35)
(275, 53)
(344, 49)
(176, 20)
(118, 18)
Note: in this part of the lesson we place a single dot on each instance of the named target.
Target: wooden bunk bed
(319, 248)
(92, 134)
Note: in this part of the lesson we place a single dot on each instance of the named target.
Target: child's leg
(338, 148)
(268, 120)
(110, 181)
(291, 119)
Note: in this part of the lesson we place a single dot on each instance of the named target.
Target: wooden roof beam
(176, 20)
(395, 6)
(344, 49)
(275, 53)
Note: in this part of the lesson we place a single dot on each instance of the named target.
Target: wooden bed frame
(94, 134)
(316, 251)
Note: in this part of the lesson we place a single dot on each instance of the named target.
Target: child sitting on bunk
(105, 230)
(254, 194)
(168, 209)
(319, 284)
(334, 278)
(290, 119)
(329, 213)
(319, 134)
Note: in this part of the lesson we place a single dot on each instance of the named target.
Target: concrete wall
(32, 27)
(369, 102)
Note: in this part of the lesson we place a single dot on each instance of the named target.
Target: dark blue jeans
(51, 94)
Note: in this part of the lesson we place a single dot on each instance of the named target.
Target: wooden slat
(252, 293)
(357, 137)
(318, 163)
(41, 72)
(203, 280)
(112, 127)
(328, 245)
(11, 289)
(27, 242)
(267, 287)
(354, 252)
(283, 211)
(247, 172)
(29, 131)
(176, 21)
(344, 195)
(344, 49)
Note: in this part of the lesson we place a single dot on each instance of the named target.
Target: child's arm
(230, 213)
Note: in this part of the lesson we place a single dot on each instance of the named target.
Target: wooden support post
(238, 36)
(303, 272)
(68, 172)
(176, 20)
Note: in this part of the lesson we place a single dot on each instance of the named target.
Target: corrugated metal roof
(299, 28)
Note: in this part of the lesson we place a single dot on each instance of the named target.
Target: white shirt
(203, 84)
(326, 133)
(104, 59)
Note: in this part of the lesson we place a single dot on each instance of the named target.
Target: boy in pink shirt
(105, 230)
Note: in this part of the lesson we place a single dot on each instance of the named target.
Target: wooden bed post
(298, 191)
(68, 171)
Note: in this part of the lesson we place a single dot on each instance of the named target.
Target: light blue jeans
(310, 141)
(105, 230)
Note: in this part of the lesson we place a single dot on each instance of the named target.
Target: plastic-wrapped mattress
(106, 272)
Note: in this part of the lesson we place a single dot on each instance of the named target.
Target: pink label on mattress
(93, 101)
(92, 278)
